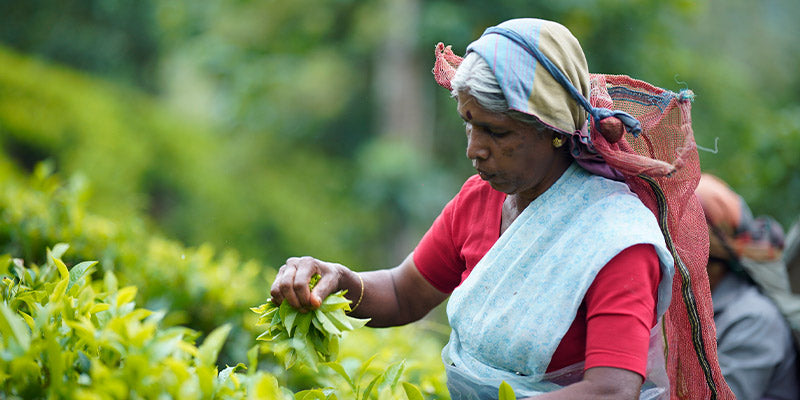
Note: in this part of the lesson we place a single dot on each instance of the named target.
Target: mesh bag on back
(661, 166)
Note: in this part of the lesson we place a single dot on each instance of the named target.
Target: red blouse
(612, 325)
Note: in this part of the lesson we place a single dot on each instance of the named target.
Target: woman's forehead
(470, 110)
(468, 104)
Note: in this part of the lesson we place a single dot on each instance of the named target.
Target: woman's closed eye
(493, 132)
(496, 134)
(469, 127)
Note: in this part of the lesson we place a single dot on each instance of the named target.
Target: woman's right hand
(390, 297)
(291, 283)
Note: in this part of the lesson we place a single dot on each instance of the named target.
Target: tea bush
(65, 336)
(186, 293)
(195, 285)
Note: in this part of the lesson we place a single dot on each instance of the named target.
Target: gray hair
(476, 78)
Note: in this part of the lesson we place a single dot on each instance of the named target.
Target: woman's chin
(500, 186)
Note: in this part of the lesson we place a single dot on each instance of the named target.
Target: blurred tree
(349, 81)
(343, 77)
(113, 38)
(200, 186)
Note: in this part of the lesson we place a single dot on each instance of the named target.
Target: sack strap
(686, 288)
(632, 125)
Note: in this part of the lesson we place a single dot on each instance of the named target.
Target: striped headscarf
(527, 86)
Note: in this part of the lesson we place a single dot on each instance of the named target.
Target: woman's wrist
(350, 281)
(361, 293)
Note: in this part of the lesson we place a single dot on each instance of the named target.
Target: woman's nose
(476, 148)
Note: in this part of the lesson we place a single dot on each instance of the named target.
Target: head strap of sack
(631, 124)
(662, 168)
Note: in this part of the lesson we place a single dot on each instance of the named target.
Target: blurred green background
(282, 128)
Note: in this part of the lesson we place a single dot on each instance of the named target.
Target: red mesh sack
(445, 65)
(663, 168)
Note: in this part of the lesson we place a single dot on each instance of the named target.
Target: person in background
(754, 342)
(791, 255)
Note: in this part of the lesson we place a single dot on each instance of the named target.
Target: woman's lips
(485, 175)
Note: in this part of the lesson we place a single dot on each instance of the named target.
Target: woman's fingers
(275, 289)
(286, 285)
(306, 268)
(328, 282)
(291, 283)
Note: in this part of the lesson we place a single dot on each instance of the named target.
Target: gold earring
(558, 141)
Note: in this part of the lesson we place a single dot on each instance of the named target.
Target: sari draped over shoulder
(509, 316)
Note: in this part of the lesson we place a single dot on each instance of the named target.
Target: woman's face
(512, 156)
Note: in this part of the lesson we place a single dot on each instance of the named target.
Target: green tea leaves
(327, 325)
(506, 392)
(14, 328)
(61, 336)
(208, 351)
(126, 295)
(412, 392)
(79, 271)
(311, 337)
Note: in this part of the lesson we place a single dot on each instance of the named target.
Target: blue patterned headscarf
(527, 86)
(541, 68)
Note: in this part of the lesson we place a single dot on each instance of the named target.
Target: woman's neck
(516, 203)
(521, 200)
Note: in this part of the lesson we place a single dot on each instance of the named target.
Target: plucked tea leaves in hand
(311, 337)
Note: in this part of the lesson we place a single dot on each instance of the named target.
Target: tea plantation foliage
(202, 186)
(72, 328)
(97, 303)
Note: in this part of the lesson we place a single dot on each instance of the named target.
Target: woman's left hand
(600, 383)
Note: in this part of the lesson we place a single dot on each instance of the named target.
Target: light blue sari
(512, 311)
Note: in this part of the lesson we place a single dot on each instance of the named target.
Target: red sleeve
(465, 230)
(436, 256)
(620, 310)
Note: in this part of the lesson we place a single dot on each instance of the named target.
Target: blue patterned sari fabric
(509, 315)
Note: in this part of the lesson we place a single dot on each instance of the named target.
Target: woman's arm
(600, 383)
(390, 297)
